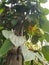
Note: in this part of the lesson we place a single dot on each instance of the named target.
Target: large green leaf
(5, 47)
(45, 27)
(28, 55)
(45, 51)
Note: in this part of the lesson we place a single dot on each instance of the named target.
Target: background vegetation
(23, 25)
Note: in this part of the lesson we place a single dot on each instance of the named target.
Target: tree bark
(14, 58)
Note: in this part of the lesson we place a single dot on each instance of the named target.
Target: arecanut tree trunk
(15, 57)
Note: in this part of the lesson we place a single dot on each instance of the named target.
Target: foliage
(23, 23)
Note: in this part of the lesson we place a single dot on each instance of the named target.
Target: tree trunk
(14, 61)
(15, 58)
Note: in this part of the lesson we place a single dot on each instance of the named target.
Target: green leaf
(45, 27)
(43, 1)
(17, 40)
(28, 55)
(27, 63)
(46, 37)
(21, 8)
(5, 47)
(1, 10)
(45, 51)
(3, 1)
(42, 38)
(1, 27)
(14, 22)
(45, 11)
